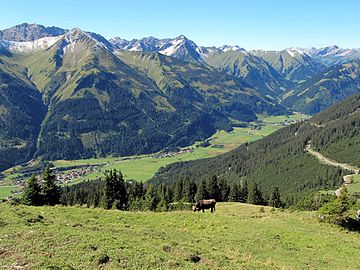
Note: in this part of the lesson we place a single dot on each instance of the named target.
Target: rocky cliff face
(30, 32)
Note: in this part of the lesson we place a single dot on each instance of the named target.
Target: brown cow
(205, 204)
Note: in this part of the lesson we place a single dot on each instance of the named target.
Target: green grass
(5, 191)
(354, 187)
(237, 236)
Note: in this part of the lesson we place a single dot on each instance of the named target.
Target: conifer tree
(213, 188)
(178, 191)
(114, 194)
(255, 195)
(162, 205)
(189, 190)
(168, 194)
(32, 192)
(201, 192)
(244, 191)
(151, 198)
(51, 191)
(343, 200)
(274, 198)
(224, 189)
(234, 192)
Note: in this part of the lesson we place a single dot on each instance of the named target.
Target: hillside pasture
(237, 236)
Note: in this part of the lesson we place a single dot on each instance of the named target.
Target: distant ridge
(117, 97)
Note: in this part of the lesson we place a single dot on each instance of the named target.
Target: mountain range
(68, 94)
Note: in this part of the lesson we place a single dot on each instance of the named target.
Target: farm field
(237, 236)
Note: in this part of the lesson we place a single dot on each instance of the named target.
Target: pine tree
(213, 188)
(109, 192)
(188, 191)
(244, 191)
(51, 191)
(224, 189)
(234, 194)
(114, 194)
(168, 195)
(178, 191)
(135, 189)
(32, 192)
(162, 205)
(255, 195)
(274, 198)
(136, 204)
(201, 192)
(151, 198)
(121, 195)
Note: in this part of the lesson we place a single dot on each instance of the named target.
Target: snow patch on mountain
(292, 54)
(76, 34)
(226, 48)
(172, 47)
(27, 46)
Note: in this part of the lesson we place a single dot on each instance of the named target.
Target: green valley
(143, 167)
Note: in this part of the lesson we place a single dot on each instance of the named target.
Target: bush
(336, 211)
(314, 202)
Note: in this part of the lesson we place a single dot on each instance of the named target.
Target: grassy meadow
(237, 236)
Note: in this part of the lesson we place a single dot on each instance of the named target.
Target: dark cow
(205, 204)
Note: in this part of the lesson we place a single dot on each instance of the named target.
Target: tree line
(113, 192)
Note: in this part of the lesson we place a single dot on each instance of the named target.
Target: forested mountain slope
(21, 113)
(100, 103)
(326, 88)
(280, 159)
(342, 121)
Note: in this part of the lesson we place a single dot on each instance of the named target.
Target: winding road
(347, 178)
(331, 162)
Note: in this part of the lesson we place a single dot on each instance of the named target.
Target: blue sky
(266, 24)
